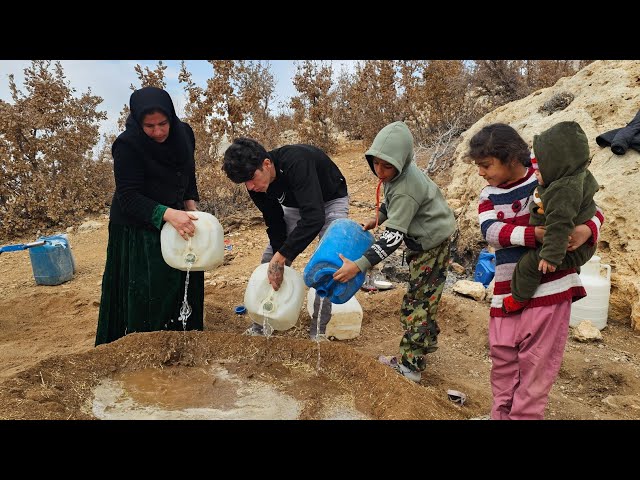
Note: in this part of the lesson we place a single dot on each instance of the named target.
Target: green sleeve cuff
(363, 264)
(156, 216)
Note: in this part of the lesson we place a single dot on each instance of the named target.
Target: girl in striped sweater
(526, 347)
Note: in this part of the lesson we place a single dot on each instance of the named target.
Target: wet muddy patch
(206, 375)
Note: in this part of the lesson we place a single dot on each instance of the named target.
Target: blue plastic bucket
(348, 238)
(485, 268)
(52, 263)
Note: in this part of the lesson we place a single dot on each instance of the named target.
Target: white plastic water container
(205, 250)
(595, 306)
(278, 309)
(346, 318)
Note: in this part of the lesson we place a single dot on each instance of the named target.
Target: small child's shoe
(511, 305)
(392, 362)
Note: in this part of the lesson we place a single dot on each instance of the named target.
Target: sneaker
(406, 372)
(254, 330)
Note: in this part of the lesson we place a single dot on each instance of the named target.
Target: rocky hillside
(606, 95)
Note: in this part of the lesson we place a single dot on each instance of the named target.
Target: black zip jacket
(621, 139)
(306, 178)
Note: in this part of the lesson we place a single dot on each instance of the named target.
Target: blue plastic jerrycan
(485, 268)
(348, 238)
(53, 262)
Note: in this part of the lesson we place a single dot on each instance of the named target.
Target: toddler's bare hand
(369, 224)
(578, 237)
(545, 266)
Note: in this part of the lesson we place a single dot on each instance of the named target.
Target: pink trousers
(526, 353)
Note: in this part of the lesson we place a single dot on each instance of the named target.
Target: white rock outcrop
(606, 96)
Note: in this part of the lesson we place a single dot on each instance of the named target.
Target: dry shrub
(49, 177)
(313, 106)
(219, 195)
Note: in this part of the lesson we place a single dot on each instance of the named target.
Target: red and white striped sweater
(504, 220)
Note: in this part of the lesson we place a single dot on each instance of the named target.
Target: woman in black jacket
(154, 169)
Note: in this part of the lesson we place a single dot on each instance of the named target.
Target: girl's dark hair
(243, 157)
(501, 141)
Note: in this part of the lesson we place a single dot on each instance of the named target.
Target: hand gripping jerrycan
(348, 238)
(53, 262)
(204, 251)
(485, 268)
(278, 309)
(595, 306)
(346, 318)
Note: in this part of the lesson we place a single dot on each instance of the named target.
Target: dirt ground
(49, 366)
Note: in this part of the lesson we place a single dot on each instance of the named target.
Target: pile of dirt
(62, 387)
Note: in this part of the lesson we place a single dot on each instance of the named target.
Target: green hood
(393, 144)
(561, 150)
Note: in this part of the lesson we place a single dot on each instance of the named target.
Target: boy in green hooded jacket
(414, 210)
(562, 200)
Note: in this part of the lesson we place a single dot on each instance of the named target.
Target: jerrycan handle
(607, 267)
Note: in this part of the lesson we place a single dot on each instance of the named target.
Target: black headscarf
(175, 150)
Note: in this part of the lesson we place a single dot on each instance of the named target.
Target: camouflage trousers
(428, 272)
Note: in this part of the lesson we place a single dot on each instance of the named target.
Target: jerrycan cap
(190, 258)
(268, 305)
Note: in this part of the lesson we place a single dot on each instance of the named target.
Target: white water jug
(346, 318)
(205, 250)
(595, 306)
(278, 309)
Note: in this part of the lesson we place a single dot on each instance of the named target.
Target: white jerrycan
(346, 318)
(595, 306)
(204, 251)
(278, 309)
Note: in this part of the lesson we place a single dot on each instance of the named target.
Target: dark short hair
(243, 157)
(501, 141)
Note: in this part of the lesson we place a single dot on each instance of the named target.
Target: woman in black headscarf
(154, 169)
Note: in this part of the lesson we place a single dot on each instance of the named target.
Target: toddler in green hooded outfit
(562, 200)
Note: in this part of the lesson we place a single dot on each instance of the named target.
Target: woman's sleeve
(156, 216)
(501, 234)
(191, 192)
(129, 177)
